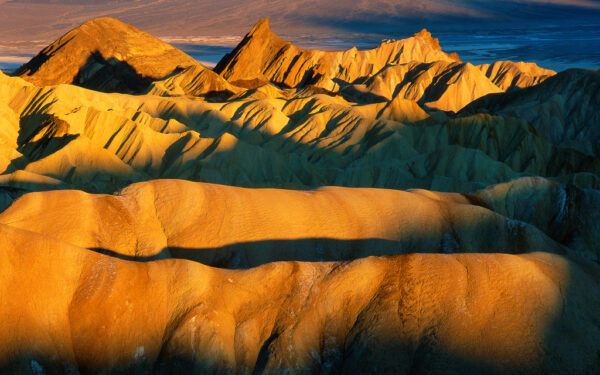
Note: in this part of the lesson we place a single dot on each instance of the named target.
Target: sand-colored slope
(509, 75)
(108, 55)
(235, 227)
(302, 137)
(68, 309)
(195, 80)
(262, 55)
(447, 86)
(100, 281)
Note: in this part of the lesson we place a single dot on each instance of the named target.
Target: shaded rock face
(52, 134)
(191, 228)
(563, 108)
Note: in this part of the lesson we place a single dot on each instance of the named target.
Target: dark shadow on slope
(251, 254)
(286, 162)
(263, 355)
(8, 195)
(243, 255)
(40, 135)
(312, 164)
(580, 90)
(358, 94)
(307, 164)
(115, 76)
(111, 75)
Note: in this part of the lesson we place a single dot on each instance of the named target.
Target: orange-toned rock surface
(415, 68)
(264, 55)
(67, 309)
(234, 227)
(196, 80)
(108, 55)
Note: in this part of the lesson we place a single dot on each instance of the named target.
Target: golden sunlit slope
(262, 55)
(195, 80)
(510, 75)
(438, 85)
(108, 55)
(71, 310)
(235, 227)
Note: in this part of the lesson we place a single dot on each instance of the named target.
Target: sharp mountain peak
(105, 47)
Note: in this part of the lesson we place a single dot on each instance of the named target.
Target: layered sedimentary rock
(415, 68)
(67, 309)
(108, 55)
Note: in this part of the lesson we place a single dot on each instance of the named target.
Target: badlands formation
(394, 210)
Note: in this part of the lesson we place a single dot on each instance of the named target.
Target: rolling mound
(107, 55)
(69, 309)
(234, 227)
(196, 80)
